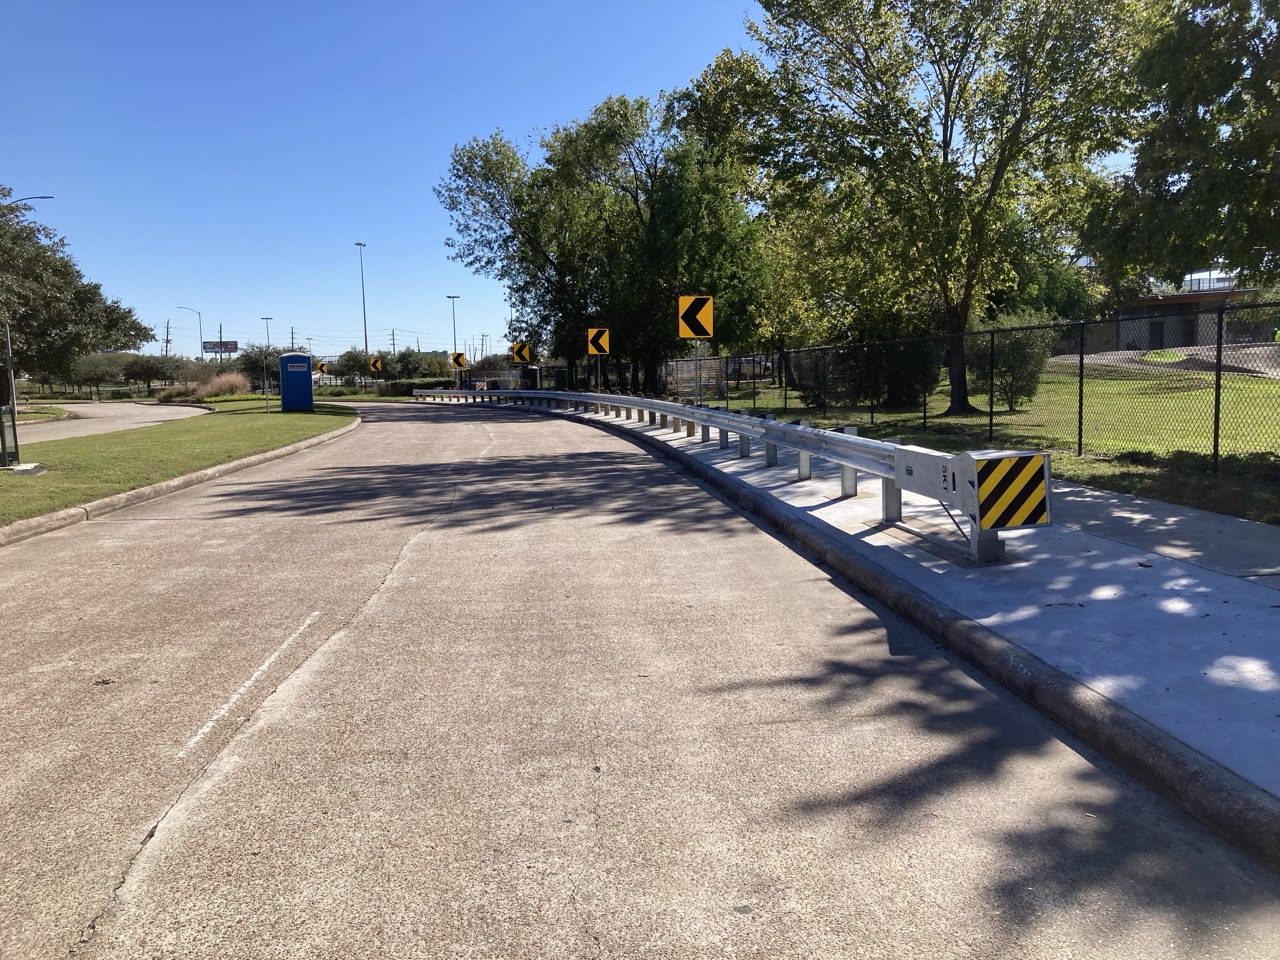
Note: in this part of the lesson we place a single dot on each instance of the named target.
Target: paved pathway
(87, 419)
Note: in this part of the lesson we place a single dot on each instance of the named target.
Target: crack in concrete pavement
(205, 777)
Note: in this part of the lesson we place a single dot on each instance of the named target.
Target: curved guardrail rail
(995, 489)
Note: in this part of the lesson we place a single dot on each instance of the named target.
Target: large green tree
(624, 213)
(1205, 184)
(56, 316)
(955, 117)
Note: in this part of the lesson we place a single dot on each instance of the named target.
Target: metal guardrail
(996, 490)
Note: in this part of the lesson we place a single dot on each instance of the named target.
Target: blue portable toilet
(295, 383)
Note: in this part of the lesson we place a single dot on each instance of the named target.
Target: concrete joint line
(1240, 812)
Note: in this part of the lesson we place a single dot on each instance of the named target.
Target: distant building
(1189, 317)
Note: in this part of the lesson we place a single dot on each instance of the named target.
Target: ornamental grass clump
(222, 385)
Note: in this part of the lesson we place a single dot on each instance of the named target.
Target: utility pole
(393, 339)
(291, 346)
(167, 338)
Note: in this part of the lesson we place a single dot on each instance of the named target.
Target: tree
(259, 362)
(956, 117)
(94, 369)
(56, 315)
(624, 214)
(1020, 356)
(352, 366)
(147, 368)
(1205, 184)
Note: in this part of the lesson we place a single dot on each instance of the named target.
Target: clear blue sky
(226, 156)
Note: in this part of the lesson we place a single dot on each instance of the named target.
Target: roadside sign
(221, 346)
(520, 352)
(695, 317)
(459, 360)
(322, 366)
(598, 340)
(375, 364)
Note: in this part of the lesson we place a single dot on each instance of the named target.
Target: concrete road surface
(87, 419)
(475, 682)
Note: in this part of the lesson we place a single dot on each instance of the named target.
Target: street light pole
(199, 329)
(364, 313)
(453, 307)
(266, 390)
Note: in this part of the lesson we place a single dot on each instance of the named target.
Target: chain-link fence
(1202, 381)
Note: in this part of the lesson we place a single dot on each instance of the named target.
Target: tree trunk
(957, 369)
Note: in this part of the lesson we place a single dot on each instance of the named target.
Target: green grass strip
(82, 469)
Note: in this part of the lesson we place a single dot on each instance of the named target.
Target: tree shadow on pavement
(1102, 846)
(491, 494)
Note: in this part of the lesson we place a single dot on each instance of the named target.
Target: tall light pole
(266, 391)
(453, 307)
(199, 329)
(363, 311)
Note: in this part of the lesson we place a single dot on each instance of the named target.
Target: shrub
(1020, 356)
(405, 388)
(223, 385)
(119, 395)
(335, 391)
(173, 394)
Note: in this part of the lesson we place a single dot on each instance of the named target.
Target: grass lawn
(38, 414)
(1146, 433)
(82, 469)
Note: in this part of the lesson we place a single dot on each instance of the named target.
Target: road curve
(89, 419)
(472, 681)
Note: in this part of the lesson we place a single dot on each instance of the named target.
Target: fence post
(1080, 398)
(991, 388)
(1217, 387)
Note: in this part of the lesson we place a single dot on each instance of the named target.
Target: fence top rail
(873, 456)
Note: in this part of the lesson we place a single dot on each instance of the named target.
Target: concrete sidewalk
(1151, 631)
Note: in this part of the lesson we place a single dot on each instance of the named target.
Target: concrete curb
(1243, 814)
(24, 529)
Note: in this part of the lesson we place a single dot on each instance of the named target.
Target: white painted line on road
(246, 686)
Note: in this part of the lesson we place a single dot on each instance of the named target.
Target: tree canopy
(957, 123)
(56, 315)
(1205, 184)
(624, 213)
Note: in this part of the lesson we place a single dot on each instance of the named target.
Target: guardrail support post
(804, 469)
(706, 433)
(689, 427)
(744, 445)
(663, 418)
(985, 544)
(890, 501)
(848, 475)
(675, 424)
(653, 418)
(770, 449)
(724, 439)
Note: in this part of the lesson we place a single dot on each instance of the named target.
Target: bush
(337, 391)
(1020, 356)
(223, 385)
(405, 388)
(173, 394)
(119, 395)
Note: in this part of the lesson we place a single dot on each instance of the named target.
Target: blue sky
(226, 156)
